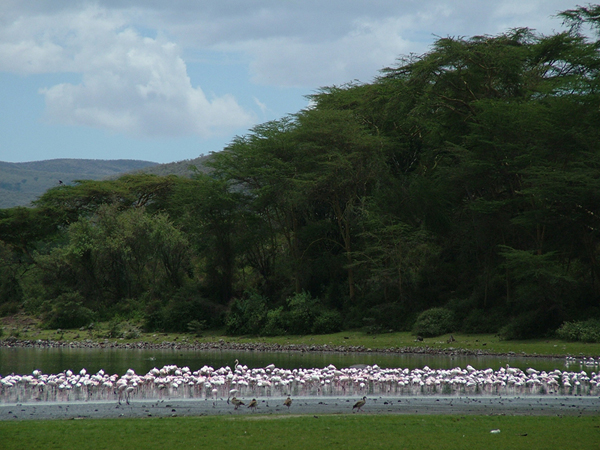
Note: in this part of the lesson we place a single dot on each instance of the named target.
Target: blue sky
(167, 81)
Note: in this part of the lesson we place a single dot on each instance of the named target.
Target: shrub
(479, 321)
(274, 325)
(301, 313)
(328, 321)
(177, 314)
(434, 322)
(391, 316)
(247, 315)
(118, 328)
(67, 311)
(9, 308)
(582, 331)
(196, 327)
(529, 325)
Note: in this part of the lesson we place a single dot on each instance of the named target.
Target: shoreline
(423, 405)
(258, 347)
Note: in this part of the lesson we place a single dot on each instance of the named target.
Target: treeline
(458, 191)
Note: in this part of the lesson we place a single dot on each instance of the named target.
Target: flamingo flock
(208, 383)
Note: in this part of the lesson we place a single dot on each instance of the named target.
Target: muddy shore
(256, 347)
(476, 405)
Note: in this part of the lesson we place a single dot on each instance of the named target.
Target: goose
(359, 404)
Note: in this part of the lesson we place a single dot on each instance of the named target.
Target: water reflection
(54, 360)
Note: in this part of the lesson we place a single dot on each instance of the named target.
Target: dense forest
(457, 191)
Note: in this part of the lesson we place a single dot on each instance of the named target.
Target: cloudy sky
(171, 80)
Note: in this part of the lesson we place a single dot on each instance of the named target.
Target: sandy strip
(487, 405)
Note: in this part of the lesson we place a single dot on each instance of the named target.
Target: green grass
(301, 432)
(487, 343)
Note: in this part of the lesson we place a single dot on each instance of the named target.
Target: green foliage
(186, 311)
(531, 324)
(327, 321)
(118, 328)
(196, 327)
(22, 183)
(275, 324)
(392, 316)
(301, 311)
(306, 315)
(434, 322)
(303, 314)
(480, 321)
(67, 311)
(469, 172)
(247, 315)
(580, 331)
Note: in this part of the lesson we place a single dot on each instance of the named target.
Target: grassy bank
(291, 432)
(28, 329)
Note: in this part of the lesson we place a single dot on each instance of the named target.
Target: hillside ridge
(23, 182)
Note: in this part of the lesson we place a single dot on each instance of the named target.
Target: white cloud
(134, 79)
(367, 47)
(131, 84)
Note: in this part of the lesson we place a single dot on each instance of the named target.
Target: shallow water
(118, 361)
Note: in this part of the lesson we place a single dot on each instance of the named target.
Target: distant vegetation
(22, 183)
(457, 192)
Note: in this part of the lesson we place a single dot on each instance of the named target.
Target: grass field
(301, 432)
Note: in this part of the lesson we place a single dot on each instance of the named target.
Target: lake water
(118, 361)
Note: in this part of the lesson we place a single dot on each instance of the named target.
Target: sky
(168, 81)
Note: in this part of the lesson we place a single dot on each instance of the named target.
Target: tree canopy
(467, 179)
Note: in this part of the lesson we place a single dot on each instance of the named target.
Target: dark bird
(287, 402)
(237, 402)
(253, 404)
(359, 404)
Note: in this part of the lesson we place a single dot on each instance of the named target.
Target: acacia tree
(268, 166)
(113, 256)
(505, 123)
(209, 213)
(345, 165)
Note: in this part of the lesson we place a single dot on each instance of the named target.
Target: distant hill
(21, 183)
(181, 168)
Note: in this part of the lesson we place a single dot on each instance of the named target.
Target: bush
(582, 331)
(181, 311)
(328, 321)
(275, 323)
(391, 316)
(247, 315)
(118, 328)
(434, 322)
(301, 313)
(196, 327)
(479, 321)
(530, 325)
(9, 308)
(67, 311)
